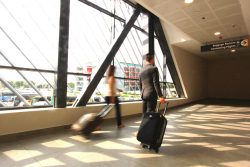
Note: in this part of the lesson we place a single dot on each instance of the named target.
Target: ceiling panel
(228, 11)
(168, 8)
(184, 23)
(198, 19)
(176, 16)
(190, 29)
(237, 31)
(225, 16)
(154, 3)
(196, 8)
(210, 24)
(234, 19)
(217, 28)
(217, 4)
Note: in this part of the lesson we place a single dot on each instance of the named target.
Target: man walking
(149, 85)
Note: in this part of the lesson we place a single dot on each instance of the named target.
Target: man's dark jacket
(149, 82)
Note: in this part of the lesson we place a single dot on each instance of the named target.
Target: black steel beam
(41, 70)
(164, 75)
(129, 2)
(62, 68)
(151, 48)
(91, 4)
(168, 57)
(84, 98)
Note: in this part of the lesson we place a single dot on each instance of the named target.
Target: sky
(29, 36)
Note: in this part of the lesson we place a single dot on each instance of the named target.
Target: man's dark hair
(148, 57)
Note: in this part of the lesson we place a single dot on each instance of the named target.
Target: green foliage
(98, 93)
(71, 85)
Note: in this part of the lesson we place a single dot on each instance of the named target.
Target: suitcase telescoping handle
(165, 109)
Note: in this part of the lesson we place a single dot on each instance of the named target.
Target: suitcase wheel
(144, 146)
(156, 149)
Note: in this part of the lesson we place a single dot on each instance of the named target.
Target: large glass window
(90, 41)
(28, 52)
(167, 86)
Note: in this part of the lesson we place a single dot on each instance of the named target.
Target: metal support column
(85, 96)
(61, 90)
(168, 57)
(164, 75)
(151, 47)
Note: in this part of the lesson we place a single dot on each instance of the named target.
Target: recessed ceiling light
(233, 50)
(217, 33)
(189, 1)
(183, 40)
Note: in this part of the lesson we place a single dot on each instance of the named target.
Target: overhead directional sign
(226, 45)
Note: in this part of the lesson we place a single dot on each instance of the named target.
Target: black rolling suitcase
(152, 129)
(89, 122)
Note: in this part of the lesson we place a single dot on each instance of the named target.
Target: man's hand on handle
(162, 100)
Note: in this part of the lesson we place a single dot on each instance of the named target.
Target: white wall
(193, 71)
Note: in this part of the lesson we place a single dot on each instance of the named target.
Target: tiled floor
(197, 135)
